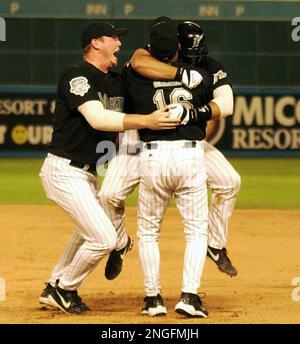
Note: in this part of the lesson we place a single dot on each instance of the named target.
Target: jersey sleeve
(218, 72)
(76, 87)
(204, 92)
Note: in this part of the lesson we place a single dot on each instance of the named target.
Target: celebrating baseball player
(222, 177)
(88, 110)
(171, 164)
(123, 173)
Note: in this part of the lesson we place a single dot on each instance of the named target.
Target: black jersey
(148, 95)
(73, 138)
(212, 66)
(215, 68)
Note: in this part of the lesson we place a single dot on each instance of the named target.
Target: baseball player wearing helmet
(88, 110)
(171, 164)
(222, 178)
(182, 144)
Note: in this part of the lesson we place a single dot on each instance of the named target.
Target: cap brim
(121, 31)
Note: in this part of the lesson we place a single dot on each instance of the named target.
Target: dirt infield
(264, 245)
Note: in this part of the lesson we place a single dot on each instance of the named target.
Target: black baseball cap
(163, 38)
(98, 29)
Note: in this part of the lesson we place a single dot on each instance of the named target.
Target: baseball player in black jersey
(171, 164)
(88, 110)
(222, 177)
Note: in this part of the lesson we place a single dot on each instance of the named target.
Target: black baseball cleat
(191, 306)
(115, 261)
(44, 297)
(154, 306)
(67, 301)
(220, 258)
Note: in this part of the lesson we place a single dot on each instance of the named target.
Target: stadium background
(253, 39)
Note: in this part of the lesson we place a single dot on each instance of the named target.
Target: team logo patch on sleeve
(79, 86)
(219, 76)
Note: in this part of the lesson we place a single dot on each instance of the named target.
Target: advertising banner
(265, 122)
(25, 121)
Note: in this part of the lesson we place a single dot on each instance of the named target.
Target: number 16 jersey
(147, 96)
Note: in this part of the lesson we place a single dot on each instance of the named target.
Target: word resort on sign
(266, 122)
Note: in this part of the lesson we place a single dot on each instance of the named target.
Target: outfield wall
(265, 122)
(254, 53)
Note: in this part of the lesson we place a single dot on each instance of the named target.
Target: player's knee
(111, 198)
(230, 188)
(102, 246)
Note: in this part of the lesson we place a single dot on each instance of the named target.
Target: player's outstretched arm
(108, 120)
(149, 67)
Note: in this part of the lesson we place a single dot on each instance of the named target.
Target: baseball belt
(187, 144)
(86, 167)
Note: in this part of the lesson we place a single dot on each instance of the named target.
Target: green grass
(20, 183)
(266, 183)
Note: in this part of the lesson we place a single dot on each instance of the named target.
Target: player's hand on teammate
(161, 120)
(185, 115)
(180, 112)
(190, 78)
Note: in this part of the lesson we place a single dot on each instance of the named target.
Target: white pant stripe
(179, 171)
(74, 190)
(225, 184)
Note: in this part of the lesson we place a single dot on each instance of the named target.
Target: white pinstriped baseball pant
(225, 183)
(123, 175)
(173, 169)
(75, 191)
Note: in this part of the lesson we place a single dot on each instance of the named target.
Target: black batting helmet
(192, 40)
